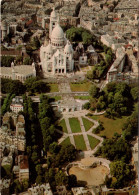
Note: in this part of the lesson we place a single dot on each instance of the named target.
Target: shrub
(87, 106)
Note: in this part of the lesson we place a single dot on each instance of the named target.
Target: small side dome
(68, 48)
(53, 14)
(49, 48)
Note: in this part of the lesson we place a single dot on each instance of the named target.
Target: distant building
(43, 189)
(21, 72)
(4, 186)
(17, 105)
(21, 171)
(23, 167)
(14, 138)
(80, 191)
(83, 60)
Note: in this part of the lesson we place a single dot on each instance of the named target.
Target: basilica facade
(57, 56)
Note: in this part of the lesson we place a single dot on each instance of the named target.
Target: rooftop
(22, 70)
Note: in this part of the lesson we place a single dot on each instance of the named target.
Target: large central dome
(57, 32)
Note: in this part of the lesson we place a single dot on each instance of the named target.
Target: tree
(113, 149)
(19, 59)
(39, 179)
(12, 86)
(61, 178)
(35, 85)
(87, 38)
(34, 157)
(130, 126)
(111, 87)
(27, 61)
(108, 59)
(72, 181)
(7, 170)
(25, 184)
(6, 105)
(134, 93)
(54, 148)
(87, 105)
(7, 60)
(94, 91)
(122, 172)
(36, 42)
(16, 87)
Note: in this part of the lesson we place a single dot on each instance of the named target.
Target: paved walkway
(85, 134)
(69, 131)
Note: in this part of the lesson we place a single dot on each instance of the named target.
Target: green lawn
(81, 87)
(66, 141)
(75, 125)
(56, 98)
(82, 97)
(87, 124)
(110, 126)
(93, 141)
(63, 125)
(79, 142)
(53, 87)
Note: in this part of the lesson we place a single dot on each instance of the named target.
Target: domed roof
(53, 13)
(57, 32)
(68, 47)
(49, 48)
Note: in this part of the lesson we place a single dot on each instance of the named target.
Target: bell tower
(53, 21)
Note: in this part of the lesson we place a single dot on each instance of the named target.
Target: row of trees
(31, 85)
(7, 60)
(130, 127)
(41, 136)
(6, 104)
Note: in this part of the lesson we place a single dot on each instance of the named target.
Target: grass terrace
(81, 87)
(63, 125)
(66, 141)
(87, 123)
(110, 126)
(56, 98)
(79, 142)
(93, 141)
(53, 87)
(75, 125)
(82, 97)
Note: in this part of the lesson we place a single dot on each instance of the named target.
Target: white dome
(57, 32)
(68, 48)
(53, 14)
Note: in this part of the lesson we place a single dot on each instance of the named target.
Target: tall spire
(45, 42)
(12, 64)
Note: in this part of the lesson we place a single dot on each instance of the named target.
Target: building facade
(21, 72)
(17, 105)
(57, 56)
